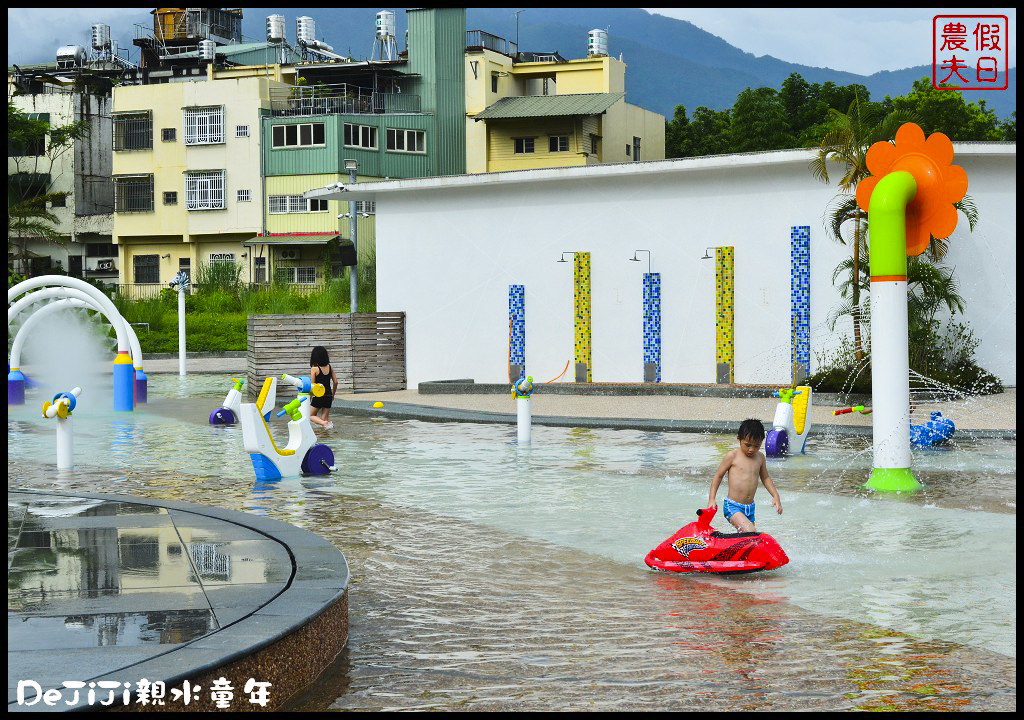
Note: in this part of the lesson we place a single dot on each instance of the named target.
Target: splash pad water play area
(497, 574)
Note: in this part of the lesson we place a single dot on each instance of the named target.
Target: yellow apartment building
(551, 112)
(188, 186)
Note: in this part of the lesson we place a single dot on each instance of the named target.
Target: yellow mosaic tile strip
(581, 309)
(724, 309)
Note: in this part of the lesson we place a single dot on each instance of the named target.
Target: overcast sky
(858, 41)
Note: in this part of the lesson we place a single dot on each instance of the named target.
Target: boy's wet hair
(751, 429)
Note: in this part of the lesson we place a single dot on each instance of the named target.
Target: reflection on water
(490, 576)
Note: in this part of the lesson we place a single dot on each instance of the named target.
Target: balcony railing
(481, 39)
(339, 99)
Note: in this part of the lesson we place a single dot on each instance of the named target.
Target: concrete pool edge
(430, 413)
(288, 640)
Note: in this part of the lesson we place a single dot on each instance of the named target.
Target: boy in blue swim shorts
(744, 465)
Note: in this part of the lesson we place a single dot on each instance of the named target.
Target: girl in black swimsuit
(320, 371)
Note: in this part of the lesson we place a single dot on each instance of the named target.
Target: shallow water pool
(492, 576)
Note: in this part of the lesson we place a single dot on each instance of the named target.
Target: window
(241, 131)
(523, 145)
(259, 266)
(366, 206)
(281, 204)
(593, 144)
(104, 250)
(227, 258)
(169, 134)
(204, 190)
(636, 148)
(243, 196)
(171, 198)
(59, 200)
(185, 266)
(363, 136)
(558, 143)
(204, 125)
(628, 148)
(133, 193)
(494, 82)
(147, 268)
(133, 131)
(295, 275)
(406, 140)
(298, 135)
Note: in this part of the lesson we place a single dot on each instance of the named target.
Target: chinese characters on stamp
(970, 52)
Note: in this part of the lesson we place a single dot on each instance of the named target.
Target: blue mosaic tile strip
(652, 321)
(517, 326)
(800, 297)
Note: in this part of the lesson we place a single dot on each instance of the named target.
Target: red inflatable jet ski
(699, 548)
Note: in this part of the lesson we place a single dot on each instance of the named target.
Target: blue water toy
(302, 454)
(792, 422)
(937, 431)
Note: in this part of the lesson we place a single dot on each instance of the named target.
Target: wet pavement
(101, 587)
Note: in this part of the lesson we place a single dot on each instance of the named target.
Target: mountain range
(669, 61)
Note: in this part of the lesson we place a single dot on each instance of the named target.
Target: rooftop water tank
(207, 49)
(275, 28)
(597, 43)
(305, 30)
(100, 36)
(71, 56)
(385, 24)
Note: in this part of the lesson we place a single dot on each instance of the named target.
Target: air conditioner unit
(107, 265)
(289, 254)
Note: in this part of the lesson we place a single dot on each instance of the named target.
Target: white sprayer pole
(181, 330)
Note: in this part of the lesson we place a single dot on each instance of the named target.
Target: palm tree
(847, 141)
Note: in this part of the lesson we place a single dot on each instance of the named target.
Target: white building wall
(448, 249)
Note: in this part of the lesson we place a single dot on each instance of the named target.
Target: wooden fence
(367, 350)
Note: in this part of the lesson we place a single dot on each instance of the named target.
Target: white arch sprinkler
(141, 381)
(909, 198)
(124, 373)
(61, 407)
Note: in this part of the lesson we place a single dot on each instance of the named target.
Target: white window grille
(259, 269)
(204, 190)
(244, 196)
(241, 131)
(281, 204)
(204, 125)
(305, 275)
(366, 206)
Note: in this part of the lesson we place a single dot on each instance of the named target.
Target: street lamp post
(353, 288)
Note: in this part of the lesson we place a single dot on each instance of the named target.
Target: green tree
(33, 146)
(803, 108)
(759, 122)
(847, 141)
(947, 112)
(676, 133)
(707, 133)
(1009, 127)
